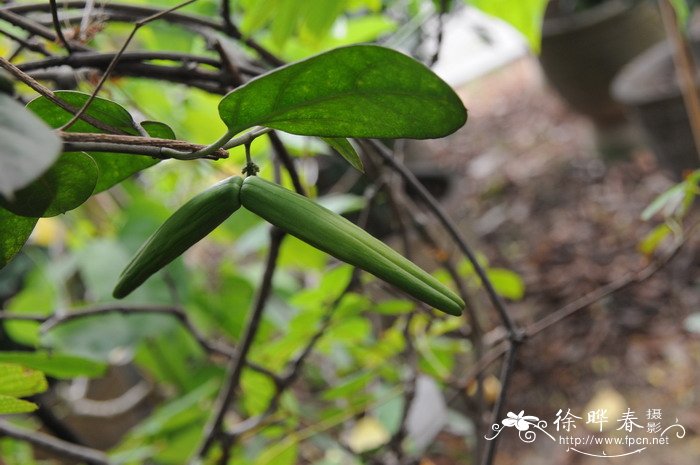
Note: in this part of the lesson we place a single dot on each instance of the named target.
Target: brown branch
(685, 68)
(55, 446)
(150, 146)
(506, 372)
(7, 14)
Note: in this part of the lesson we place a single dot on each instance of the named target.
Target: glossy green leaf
(27, 146)
(113, 168)
(57, 365)
(65, 186)
(347, 151)
(14, 232)
(355, 91)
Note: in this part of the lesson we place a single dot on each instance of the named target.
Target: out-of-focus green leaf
(257, 389)
(524, 15)
(393, 307)
(9, 405)
(96, 336)
(18, 381)
(651, 241)
(60, 366)
(65, 186)
(355, 91)
(682, 11)
(667, 201)
(507, 283)
(14, 232)
(27, 146)
(38, 296)
(347, 387)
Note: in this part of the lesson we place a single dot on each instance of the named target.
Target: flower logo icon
(520, 421)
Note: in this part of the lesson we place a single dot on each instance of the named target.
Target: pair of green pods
(295, 214)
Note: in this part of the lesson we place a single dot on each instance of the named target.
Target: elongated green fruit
(187, 226)
(342, 239)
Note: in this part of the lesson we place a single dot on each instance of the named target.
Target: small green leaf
(65, 186)
(654, 238)
(507, 283)
(158, 129)
(667, 201)
(113, 168)
(27, 146)
(18, 381)
(10, 405)
(355, 91)
(14, 232)
(57, 365)
(346, 150)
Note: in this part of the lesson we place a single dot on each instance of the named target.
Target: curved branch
(55, 446)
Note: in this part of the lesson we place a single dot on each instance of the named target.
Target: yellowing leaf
(47, 231)
(367, 434)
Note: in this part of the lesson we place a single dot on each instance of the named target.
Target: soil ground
(534, 193)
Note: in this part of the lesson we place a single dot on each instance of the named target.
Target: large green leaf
(14, 232)
(355, 91)
(113, 168)
(27, 146)
(56, 365)
(65, 186)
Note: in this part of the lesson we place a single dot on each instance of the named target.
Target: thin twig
(25, 43)
(235, 367)
(140, 23)
(286, 159)
(55, 446)
(31, 82)
(57, 27)
(506, 372)
(514, 332)
(6, 14)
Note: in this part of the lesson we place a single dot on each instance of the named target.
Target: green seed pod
(344, 240)
(187, 226)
